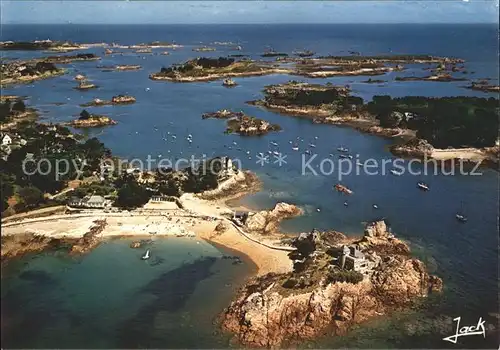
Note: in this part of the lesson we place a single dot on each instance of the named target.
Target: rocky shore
(320, 296)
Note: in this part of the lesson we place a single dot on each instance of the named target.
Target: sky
(194, 12)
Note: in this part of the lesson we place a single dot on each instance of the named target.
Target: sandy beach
(197, 220)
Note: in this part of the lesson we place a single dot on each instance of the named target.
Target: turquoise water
(465, 256)
(111, 298)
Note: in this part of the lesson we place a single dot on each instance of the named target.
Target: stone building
(354, 259)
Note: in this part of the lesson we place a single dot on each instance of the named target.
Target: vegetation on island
(26, 71)
(202, 69)
(443, 122)
(240, 123)
(51, 157)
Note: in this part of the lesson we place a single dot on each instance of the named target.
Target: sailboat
(146, 255)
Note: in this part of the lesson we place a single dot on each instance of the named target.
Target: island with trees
(88, 120)
(436, 123)
(115, 100)
(206, 69)
(242, 124)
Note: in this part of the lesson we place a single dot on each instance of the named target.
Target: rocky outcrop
(276, 310)
(250, 126)
(90, 239)
(240, 123)
(267, 221)
(88, 120)
(115, 100)
(413, 148)
(221, 227)
(85, 85)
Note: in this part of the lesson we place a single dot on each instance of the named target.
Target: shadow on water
(171, 291)
(14, 304)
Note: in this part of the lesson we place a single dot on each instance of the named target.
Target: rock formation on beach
(336, 284)
(267, 221)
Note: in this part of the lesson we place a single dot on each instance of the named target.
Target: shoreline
(371, 127)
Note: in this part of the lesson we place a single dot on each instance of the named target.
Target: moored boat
(423, 186)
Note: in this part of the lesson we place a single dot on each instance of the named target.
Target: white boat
(461, 218)
(276, 153)
(396, 172)
(295, 148)
(312, 145)
(274, 143)
(423, 186)
(146, 255)
(342, 149)
(358, 163)
(375, 206)
(345, 156)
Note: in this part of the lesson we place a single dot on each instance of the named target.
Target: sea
(112, 299)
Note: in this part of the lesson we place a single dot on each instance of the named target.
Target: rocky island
(245, 125)
(336, 284)
(441, 77)
(15, 72)
(85, 85)
(206, 69)
(88, 120)
(483, 85)
(72, 58)
(115, 100)
(204, 49)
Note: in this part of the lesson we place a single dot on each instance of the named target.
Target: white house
(6, 140)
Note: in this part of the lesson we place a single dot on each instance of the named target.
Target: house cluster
(351, 258)
(8, 142)
(89, 202)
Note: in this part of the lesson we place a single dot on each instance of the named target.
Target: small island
(115, 100)
(441, 77)
(229, 83)
(16, 72)
(483, 85)
(88, 120)
(72, 58)
(272, 53)
(242, 124)
(85, 85)
(206, 69)
(442, 128)
(204, 49)
(61, 46)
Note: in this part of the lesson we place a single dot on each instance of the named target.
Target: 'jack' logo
(467, 330)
